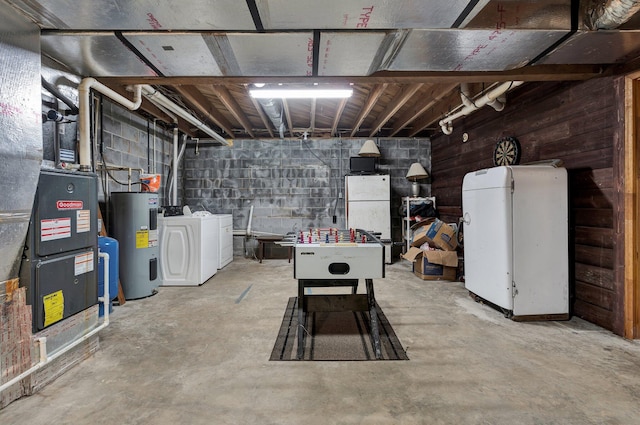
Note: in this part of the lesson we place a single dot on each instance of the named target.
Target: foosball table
(337, 258)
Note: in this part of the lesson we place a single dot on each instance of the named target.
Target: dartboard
(507, 151)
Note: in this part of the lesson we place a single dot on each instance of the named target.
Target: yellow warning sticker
(53, 307)
(142, 239)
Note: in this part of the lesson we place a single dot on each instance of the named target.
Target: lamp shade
(369, 149)
(417, 172)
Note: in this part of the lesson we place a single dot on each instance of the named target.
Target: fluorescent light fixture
(312, 93)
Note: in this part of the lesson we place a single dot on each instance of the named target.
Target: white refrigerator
(368, 206)
(516, 239)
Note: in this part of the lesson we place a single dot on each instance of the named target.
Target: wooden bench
(263, 240)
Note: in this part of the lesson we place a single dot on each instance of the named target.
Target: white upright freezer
(516, 239)
(368, 206)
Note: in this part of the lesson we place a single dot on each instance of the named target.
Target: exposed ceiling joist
(232, 105)
(398, 101)
(437, 111)
(528, 73)
(287, 114)
(312, 118)
(338, 115)
(204, 107)
(423, 104)
(265, 120)
(373, 97)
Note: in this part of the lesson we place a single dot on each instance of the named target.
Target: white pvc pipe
(42, 342)
(159, 99)
(499, 103)
(153, 169)
(106, 297)
(248, 233)
(489, 97)
(174, 175)
(465, 96)
(447, 129)
(84, 90)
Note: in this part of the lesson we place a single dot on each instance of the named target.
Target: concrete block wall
(292, 184)
(129, 142)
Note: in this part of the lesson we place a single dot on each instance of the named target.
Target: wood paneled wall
(581, 124)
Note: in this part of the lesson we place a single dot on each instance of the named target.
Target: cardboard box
(433, 265)
(440, 235)
(420, 237)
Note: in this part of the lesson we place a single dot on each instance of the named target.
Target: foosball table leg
(301, 318)
(373, 314)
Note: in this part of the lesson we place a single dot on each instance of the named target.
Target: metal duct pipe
(493, 96)
(161, 100)
(611, 14)
(273, 109)
(58, 94)
(84, 90)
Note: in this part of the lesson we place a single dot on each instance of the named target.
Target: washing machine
(188, 249)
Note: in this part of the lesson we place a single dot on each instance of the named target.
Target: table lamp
(369, 149)
(416, 172)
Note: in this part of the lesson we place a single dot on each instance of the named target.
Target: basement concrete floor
(200, 355)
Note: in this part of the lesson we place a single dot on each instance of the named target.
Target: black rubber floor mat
(335, 336)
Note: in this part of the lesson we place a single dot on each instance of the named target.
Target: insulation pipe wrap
(611, 14)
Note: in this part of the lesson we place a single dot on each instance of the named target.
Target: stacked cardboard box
(15, 339)
(433, 251)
